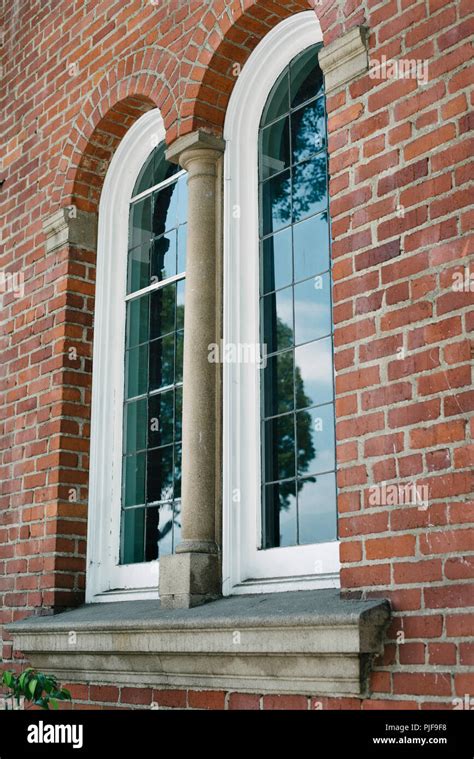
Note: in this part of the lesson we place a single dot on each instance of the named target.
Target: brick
(429, 141)
(245, 701)
(418, 683)
(285, 702)
(206, 699)
(384, 548)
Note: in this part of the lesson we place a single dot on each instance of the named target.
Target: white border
(106, 579)
(246, 569)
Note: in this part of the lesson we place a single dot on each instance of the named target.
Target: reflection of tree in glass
(285, 452)
(308, 131)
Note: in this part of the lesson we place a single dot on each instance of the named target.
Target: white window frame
(108, 580)
(245, 568)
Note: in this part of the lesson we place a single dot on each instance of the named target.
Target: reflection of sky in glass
(298, 449)
(316, 512)
(314, 362)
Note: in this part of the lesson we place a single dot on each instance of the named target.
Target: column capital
(195, 145)
(345, 58)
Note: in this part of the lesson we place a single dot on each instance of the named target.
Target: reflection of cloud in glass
(314, 362)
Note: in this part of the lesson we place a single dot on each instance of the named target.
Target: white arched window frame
(107, 579)
(245, 567)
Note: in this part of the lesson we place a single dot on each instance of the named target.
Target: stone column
(192, 576)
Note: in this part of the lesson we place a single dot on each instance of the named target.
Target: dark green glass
(277, 317)
(280, 527)
(276, 203)
(278, 101)
(162, 311)
(279, 448)
(135, 426)
(277, 268)
(161, 363)
(163, 258)
(137, 321)
(165, 209)
(138, 268)
(182, 241)
(133, 536)
(278, 391)
(134, 479)
(306, 77)
(275, 148)
(160, 419)
(136, 371)
(178, 413)
(160, 474)
(140, 223)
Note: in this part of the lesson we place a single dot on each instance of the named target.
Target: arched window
(154, 362)
(280, 515)
(135, 470)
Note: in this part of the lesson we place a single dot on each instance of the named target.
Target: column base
(189, 579)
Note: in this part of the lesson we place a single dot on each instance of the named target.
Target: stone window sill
(307, 642)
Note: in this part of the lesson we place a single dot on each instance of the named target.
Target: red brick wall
(77, 75)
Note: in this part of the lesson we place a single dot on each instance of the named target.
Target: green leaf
(8, 678)
(32, 686)
(54, 703)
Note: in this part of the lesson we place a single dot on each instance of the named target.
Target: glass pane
(160, 419)
(313, 309)
(306, 78)
(278, 384)
(165, 208)
(135, 426)
(276, 203)
(177, 524)
(145, 177)
(136, 371)
(278, 101)
(162, 311)
(160, 474)
(182, 239)
(162, 169)
(279, 448)
(308, 130)
(159, 531)
(316, 448)
(133, 536)
(163, 259)
(314, 373)
(162, 363)
(276, 261)
(277, 314)
(275, 148)
(180, 304)
(177, 471)
(309, 187)
(280, 515)
(317, 511)
(178, 421)
(137, 321)
(155, 170)
(134, 478)
(183, 199)
(138, 268)
(140, 223)
(179, 356)
(311, 247)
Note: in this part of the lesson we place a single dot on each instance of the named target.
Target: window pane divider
(159, 186)
(155, 286)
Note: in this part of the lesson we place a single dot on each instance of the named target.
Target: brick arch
(108, 113)
(229, 42)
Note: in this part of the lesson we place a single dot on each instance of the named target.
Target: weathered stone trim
(309, 642)
(345, 59)
(70, 226)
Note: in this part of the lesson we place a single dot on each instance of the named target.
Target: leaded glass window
(151, 476)
(297, 391)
